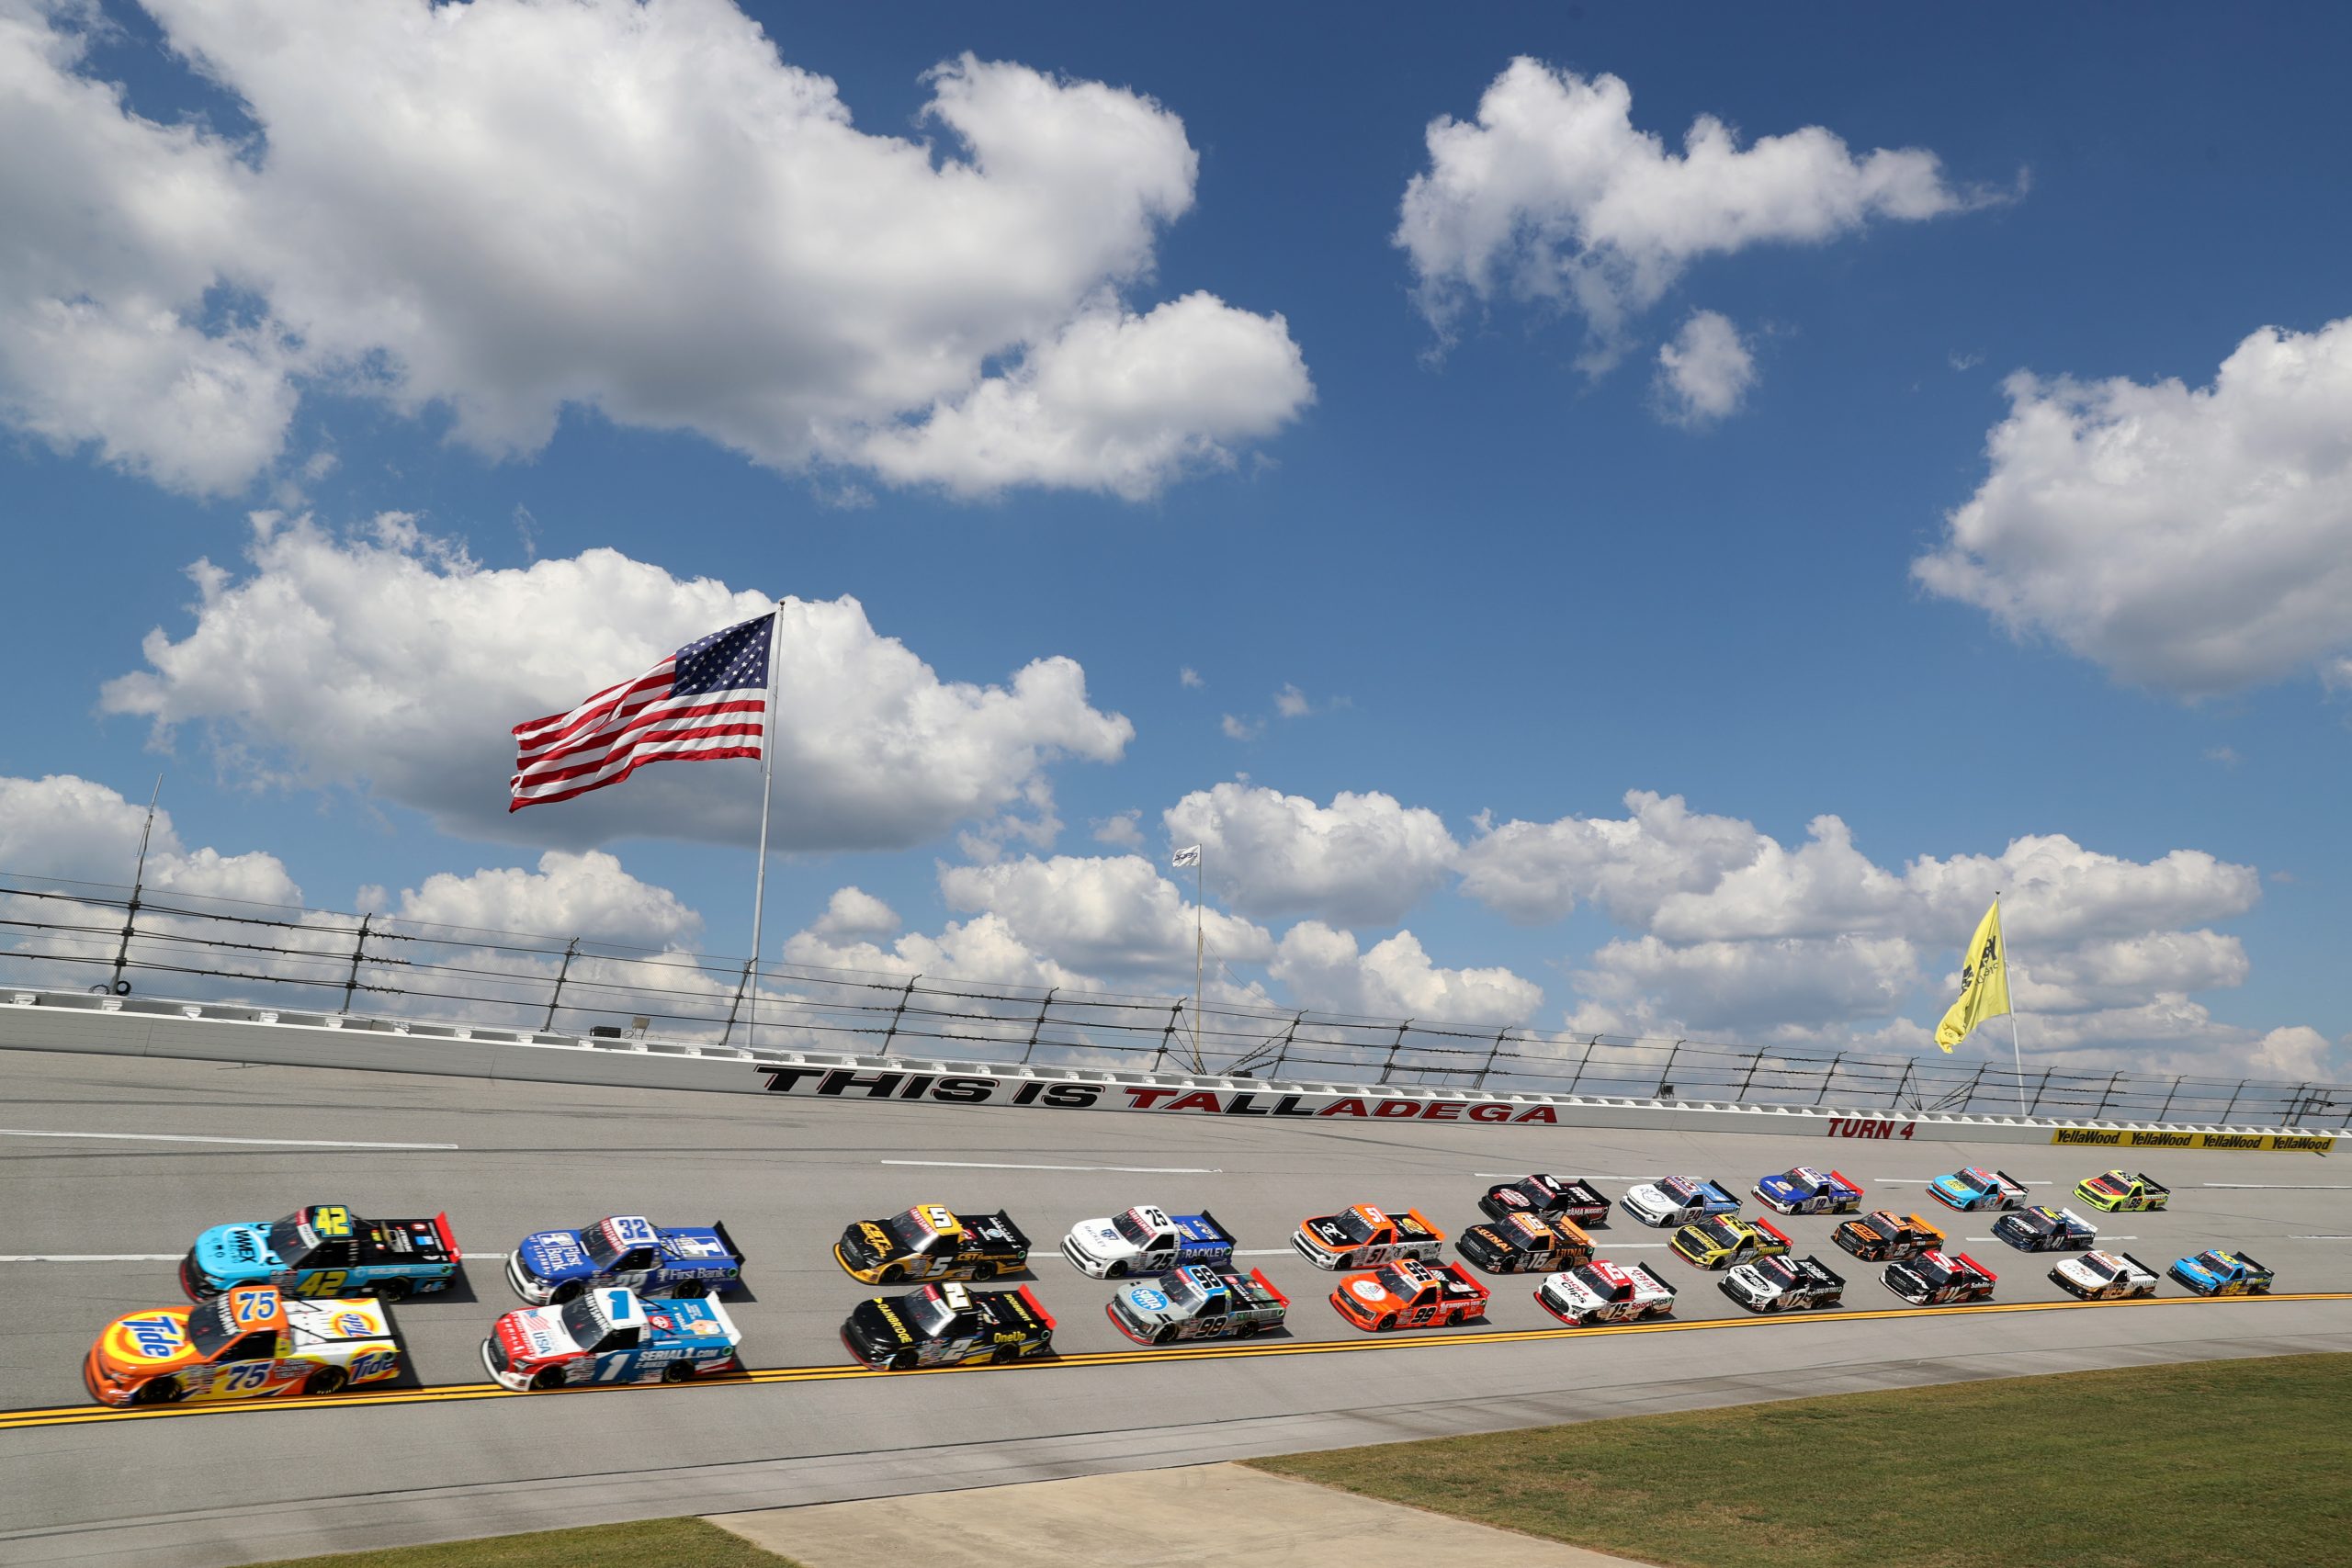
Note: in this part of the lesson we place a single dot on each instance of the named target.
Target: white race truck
(1147, 1240)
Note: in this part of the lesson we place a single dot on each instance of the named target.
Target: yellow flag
(1984, 982)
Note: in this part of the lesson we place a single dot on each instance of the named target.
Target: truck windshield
(1352, 1225)
(1718, 1232)
(210, 1326)
(910, 1231)
(598, 1246)
(292, 1239)
(2099, 1268)
(1881, 1225)
(1775, 1273)
(584, 1321)
(1131, 1230)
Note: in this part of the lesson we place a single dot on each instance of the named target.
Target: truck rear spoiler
(2140, 1266)
(1990, 1277)
(1775, 1232)
(1846, 1182)
(2010, 1180)
(2151, 1184)
(1020, 1237)
(1212, 1222)
(448, 1242)
(718, 1229)
(1036, 1306)
(1259, 1276)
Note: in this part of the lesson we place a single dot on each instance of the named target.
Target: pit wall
(141, 1026)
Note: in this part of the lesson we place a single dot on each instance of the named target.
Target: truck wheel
(1387, 1320)
(1352, 1260)
(983, 1271)
(904, 1362)
(1004, 1355)
(326, 1380)
(691, 1290)
(393, 1290)
(891, 1276)
(1164, 1334)
(1247, 1331)
(569, 1291)
(163, 1391)
(1116, 1271)
(546, 1378)
(676, 1372)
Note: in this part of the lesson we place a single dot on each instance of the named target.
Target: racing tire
(691, 1290)
(1247, 1331)
(2259, 1290)
(163, 1391)
(1164, 1334)
(546, 1378)
(1352, 1260)
(326, 1380)
(676, 1372)
(1387, 1320)
(904, 1362)
(1116, 1271)
(891, 1276)
(569, 1291)
(1004, 1355)
(983, 1271)
(393, 1290)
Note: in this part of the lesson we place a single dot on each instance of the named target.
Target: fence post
(2104, 1095)
(736, 1005)
(1969, 1104)
(569, 949)
(1289, 1036)
(2299, 1102)
(1755, 1059)
(1175, 1013)
(2040, 1089)
(1829, 1077)
(2233, 1105)
(2168, 1096)
(898, 1012)
(1666, 1077)
(359, 949)
(1580, 1065)
(1905, 1083)
(1394, 1046)
(1043, 1007)
(118, 986)
(1492, 1052)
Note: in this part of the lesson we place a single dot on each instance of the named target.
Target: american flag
(707, 701)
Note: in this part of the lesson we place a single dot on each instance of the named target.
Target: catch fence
(111, 938)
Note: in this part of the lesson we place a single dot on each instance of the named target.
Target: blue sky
(1505, 578)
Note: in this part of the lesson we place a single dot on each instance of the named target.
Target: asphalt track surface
(448, 1455)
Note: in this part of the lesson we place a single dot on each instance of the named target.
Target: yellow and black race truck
(931, 1242)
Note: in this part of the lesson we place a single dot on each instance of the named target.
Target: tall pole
(2009, 982)
(767, 783)
(1200, 883)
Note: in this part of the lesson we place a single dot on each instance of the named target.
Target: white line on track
(1260, 1251)
(1931, 1180)
(89, 1257)
(1130, 1170)
(2320, 1239)
(186, 1138)
(2283, 1186)
(2102, 1239)
(1587, 1176)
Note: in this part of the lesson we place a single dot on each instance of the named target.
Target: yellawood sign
(2144, 1138)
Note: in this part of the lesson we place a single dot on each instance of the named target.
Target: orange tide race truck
(1406, 1294)
(1363, 1235)
(248, 1342)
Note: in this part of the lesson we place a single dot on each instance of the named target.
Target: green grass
(2243, 1461)
(647, 1543)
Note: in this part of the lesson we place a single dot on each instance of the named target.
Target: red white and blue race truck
(1147, 1240)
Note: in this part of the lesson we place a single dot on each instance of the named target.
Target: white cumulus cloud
(1551, 195)
(1323, 969)
(1365, 858)
(2196, 540)
(72, 827)
(510, 208)
(1703, 372)
(390, 661)
(587, 895)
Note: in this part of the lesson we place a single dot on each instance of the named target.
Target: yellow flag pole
(1200, 882)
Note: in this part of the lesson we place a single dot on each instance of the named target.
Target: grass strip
(2142, 1467)
(644, 1543)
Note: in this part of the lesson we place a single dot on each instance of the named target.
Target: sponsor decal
(1148, 1301)
(2116, 1137)
(1366, 1290)
(2096, 1136)
(351, 1324)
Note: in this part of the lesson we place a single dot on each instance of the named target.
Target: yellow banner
(1984, 982)
(2243, 1143)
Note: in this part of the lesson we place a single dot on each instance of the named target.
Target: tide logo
(152, 1338)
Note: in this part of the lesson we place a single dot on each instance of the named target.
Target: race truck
(1525, 1243)
(1363, 1235)
(610, 1335)
(1602, 1292)
(1406, 1294)
(1552, 1197)
(2045, 1229)
(2221, 1273)
(2105, 1277)
(2121, 1194)
(324, 1250)
(249, 1341)
(1804, 1190)
(1198, 1303)
(1883, 1237)
(1678, 1201)
(930, 1242)
(1783, 1284)
(1973, 1188)
(947, 1325)
(626, 1249)
(1147, 1240)
(1939, 1279)
(1727, 1239)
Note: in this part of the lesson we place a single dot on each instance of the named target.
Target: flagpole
(1200, 881)
(760, 878)
(2017, 1054)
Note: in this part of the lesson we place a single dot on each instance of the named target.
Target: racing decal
(2118, 1137)
(153, 1336)
(348, 1325)
(1868, 1127)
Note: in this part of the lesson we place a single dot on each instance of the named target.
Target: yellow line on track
(79, 1414)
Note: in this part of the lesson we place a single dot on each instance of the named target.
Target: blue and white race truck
(1147, 1240)
(624, 1249)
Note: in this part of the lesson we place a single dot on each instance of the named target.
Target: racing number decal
(618, 1300)
(249, 1305)
(332, 1221)
(325, 1282)
(244, 1377)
